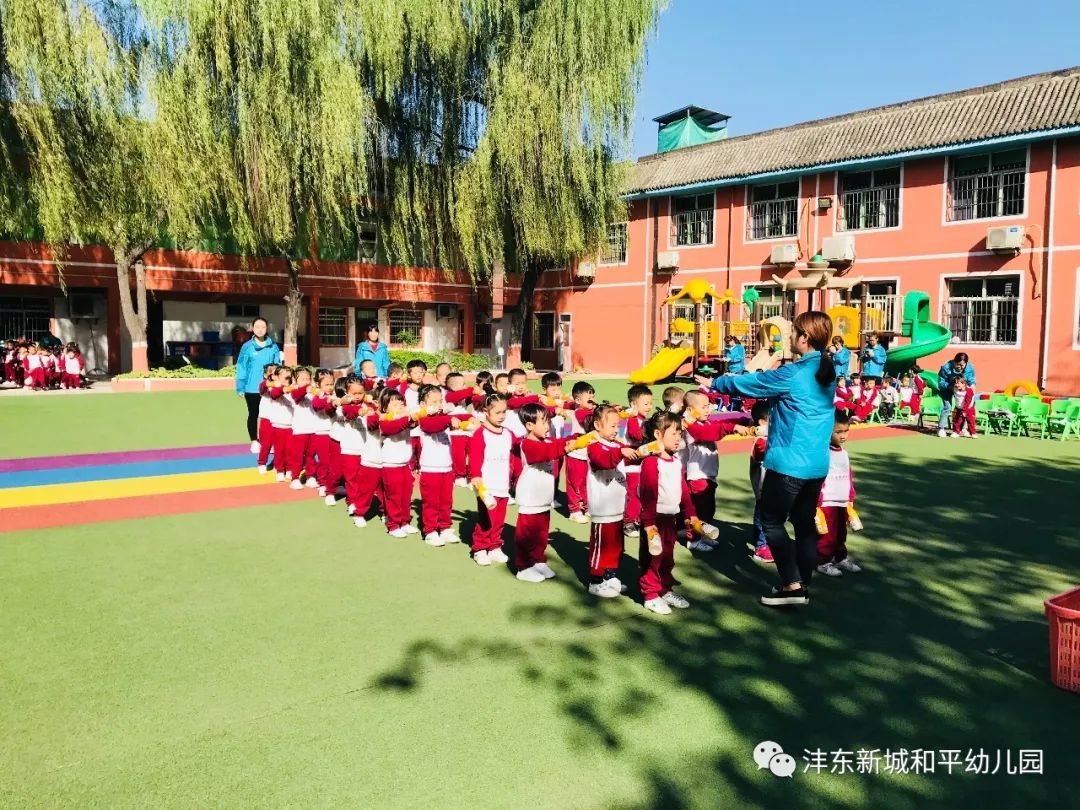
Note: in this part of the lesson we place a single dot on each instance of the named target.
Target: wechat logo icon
(771, 756)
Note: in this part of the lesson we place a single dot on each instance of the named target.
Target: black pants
(252, 401)
(784, 498)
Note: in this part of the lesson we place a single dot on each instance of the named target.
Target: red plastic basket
(1063, 614)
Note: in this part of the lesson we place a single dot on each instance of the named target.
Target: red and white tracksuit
(911, 398)
(319, 463)
(459, 439)
(489, 460)
(963, 411)
(397, 477)
(303, 432)
(664, 496)
(412, 405)
(635, 437)
(361, 458)
(577, 466)
(869, 399)
(837, 493)
(266, 429)
(34, 371)
(281, 417)
(535, 493)
(703, 462)
(73, 371)
(436, 473)
(606, 491)
(842, 399)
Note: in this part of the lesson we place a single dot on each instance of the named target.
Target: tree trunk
(293, 304)
(134, 312)
(522, 317)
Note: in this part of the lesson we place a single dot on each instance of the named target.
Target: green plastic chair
(998, 401)
(1034, 415)
(1059, 406)
(1007, 418)
(930, 409)
(982, 415)
(875, 416)
(1067, 424)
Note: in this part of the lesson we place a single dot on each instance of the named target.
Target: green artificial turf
(273, 656)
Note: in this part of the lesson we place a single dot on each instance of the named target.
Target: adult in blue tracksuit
(374, 350)
(735, 354)
(873, 359)
(255, 355)
(959, 366)
(797, 457)
(841, 357)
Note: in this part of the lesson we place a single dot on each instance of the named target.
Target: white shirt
(495, 465)
(396, 449)
(353, 435)
(281, 411)
(702, 460)
(836, 491)
(435, 452)
(575, 430)
(535, 486)
(304, 420)
(669, 486)
(607, 491)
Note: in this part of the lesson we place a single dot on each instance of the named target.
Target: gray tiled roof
(1029, 104)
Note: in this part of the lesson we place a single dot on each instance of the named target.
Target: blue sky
(769, 63)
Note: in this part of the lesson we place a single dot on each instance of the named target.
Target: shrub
(403, 356)
(527, 365)
(183, 373)
(468, 362)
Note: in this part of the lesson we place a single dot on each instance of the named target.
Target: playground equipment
(847, 319)
(774, 343)
(1027, 386)
(926, 338)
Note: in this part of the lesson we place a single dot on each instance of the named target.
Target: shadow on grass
(939, 644)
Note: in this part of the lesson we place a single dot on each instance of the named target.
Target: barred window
(25, 317)
(984, 310)
(693, 220)
(774, 211)
(241, 310)
(406, 326)
(332, 330)
(987, 185)
(544, 335)
(615, 250)
(869, 200)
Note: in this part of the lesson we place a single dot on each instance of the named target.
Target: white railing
(981, 196)
(773, 218)
(869, 208)
(694, 227)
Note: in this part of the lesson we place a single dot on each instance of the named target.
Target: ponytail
(817, 327)
(826, 372)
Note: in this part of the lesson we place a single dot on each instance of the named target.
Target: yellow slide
(663, 365)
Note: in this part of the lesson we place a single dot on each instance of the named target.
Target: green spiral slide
(926, 338)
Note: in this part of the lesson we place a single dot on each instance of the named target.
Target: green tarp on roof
(687, 132)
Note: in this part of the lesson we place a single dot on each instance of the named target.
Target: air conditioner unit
(782, 255)
(1008, 239)
(444, 311)
(586, 270)
(838, 249)
(81, 307)
(667, 261)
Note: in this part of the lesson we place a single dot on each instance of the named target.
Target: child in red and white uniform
(74, 367)
(361, 452)
(703, 463)
(324, 408)
(334, 477)
(34, 370)
(640, 398)
(536, 492)
(558, 409)
(519, 396)
(369, 377)
(410, 388)
(577, 461)
(8, 357)
(397, 477)
(303, 428)
(490, 449)
(266, 406)
(458, 398)
(856, 387)
(664, 495)
(606, 488)
(49, 367)
(963, 410)
(436, 468)
(910, 396)
(836, 507)
(281, 417)
(842, 398)
(868, 401)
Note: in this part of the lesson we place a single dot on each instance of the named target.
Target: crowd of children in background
(631, 471)
(27, 364)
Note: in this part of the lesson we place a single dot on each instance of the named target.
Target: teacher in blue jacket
(797, 457)
(841, 357)
(374, 350)
(873, 359)
(735, 355)
(255, 355)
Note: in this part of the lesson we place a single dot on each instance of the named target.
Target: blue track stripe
(138, 469)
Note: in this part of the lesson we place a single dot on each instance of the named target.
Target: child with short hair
(502, 383)
(323, 407)
(577, 461)
(856, 387)
(442, 371)
(673, 399)
(458, 397)
(369, 375)
(842, 398)
(518, 389)
(35, 371)
(303, 427)
(963, 410)
(395, 375)
(397, 478)
(910, 397)
(337, 433)
(836, 506)
(759, 414)
(606, 488)
(436, 468)
(490, 449)
(868, 402)
(664, 495)
(703, 462)
(535, 493)
(281, 417)
(74, 367)
(266, 406)
(889, 398)
(640, 399)
(415, 371)
(360, 461)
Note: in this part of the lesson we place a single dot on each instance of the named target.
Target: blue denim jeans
(760, 540)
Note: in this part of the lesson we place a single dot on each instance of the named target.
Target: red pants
(266, 441)
(70, 380)
(37, 378)
(703, 494)
(531, 539)
(459, 446)
(436, 500)
(330, 473)
(656, 576)
(489, 525)
(318, 447)
(397, 485)
(282, 440)
(605, 547)
(963, 419)
(362, 485)
(633, 501)
(832, 546)
(53, 378)
(577, 477)
(298, 451)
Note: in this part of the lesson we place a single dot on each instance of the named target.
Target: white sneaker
(448, 536)
(408, 528)
(603, 589)
(256, 448)
(675, 600)
(481, 558)
(435, 539)
(398, 533)
(941, 433)
(262, 469)
(616, 583)
(296, 484)
(545, 569)
(699, 545)
(955, 435)
(658, 605)
(359, 523)
(279, 477)
(322, 492)
(497, 555)
(288, 476)
(350, 509)
(461, 482)
(578, 517)
(332, 501)
(829, 570)
(973, 435)
(965, 433)
(311, 483)
(510, 501)
(533, 574)
(849, 565)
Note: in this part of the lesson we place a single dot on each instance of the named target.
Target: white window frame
(672, 230)
(613, 242)
(838, 186)
(392, 333)
(748, 218)
(947, 195)
(344, 314)
(536, 330)
(945, 297)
